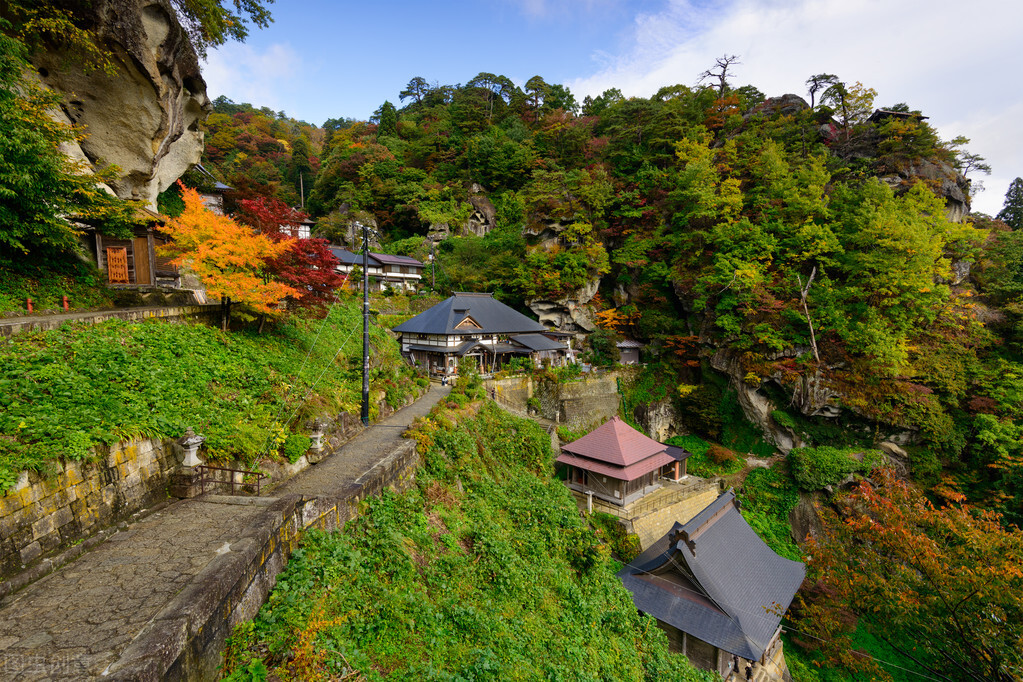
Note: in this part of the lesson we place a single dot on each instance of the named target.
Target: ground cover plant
(483, 571)
(67, 391)
(47, 287)
(701, 463)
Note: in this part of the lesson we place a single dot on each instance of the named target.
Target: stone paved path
(75, 622)
(359, 455)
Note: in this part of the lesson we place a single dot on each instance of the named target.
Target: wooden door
(142, 273)
(117, 265)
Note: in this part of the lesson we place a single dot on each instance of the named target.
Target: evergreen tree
(1012, 211)
(388, 120)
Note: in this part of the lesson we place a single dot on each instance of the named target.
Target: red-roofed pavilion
(615, 462)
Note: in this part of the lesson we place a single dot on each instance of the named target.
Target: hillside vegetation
(483, 571)
(69, 392)
(816, 254)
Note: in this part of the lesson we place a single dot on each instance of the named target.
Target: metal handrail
(207, 476)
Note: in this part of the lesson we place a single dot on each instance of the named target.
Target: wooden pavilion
(617, 463)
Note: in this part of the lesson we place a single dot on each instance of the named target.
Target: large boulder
(146, 117)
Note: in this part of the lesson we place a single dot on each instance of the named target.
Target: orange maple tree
(941, 584)
(227, 257)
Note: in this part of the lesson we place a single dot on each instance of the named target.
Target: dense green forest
(810, 245)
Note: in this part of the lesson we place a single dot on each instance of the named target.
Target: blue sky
(959, 62)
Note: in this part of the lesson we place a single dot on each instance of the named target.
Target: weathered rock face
(353, 231)
(755, 406)
(481, 221)
(658, 419)
(569, 314)
(955, 188)
(147, 117)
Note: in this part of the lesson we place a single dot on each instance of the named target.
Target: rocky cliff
(147, 116)
(480, 222)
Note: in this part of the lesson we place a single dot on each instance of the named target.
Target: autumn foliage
(307, 264)
(226, 256)
(941, 584)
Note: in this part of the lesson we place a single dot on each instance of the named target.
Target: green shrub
(295, 446)
(700, 464)
(816, 468)
(768, 496)
(693, 444)
(925, 466)
(783, 419)
(699, 411)
(624, 546)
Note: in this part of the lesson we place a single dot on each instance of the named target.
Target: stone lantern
(317, 429)
(191, 442)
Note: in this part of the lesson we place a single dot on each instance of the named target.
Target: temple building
(618, 464)
(717, 590)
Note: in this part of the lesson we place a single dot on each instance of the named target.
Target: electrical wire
(273, 424)
(783, 627)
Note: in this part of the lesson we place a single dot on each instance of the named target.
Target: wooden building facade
(616, 463)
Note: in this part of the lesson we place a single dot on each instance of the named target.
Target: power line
(337, 294)
(785, 628)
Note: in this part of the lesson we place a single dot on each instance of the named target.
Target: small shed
(540, 348)
(135, 261)
(629, 350)
(715, 588)
(615, 462)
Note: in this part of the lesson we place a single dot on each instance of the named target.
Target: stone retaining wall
(580, 403)
(185, 641)
(209, 312)
(42, 515)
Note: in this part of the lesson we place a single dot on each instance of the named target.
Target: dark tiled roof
(737, 588)
(629, 343)
(349, 258)
(491, 315)
(537, 342)
(615, 442)
(388, 259)
(678, 454)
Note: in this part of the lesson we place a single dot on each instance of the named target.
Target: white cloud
(244, 74)
(956, 62)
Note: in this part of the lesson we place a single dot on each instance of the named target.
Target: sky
(958, 62)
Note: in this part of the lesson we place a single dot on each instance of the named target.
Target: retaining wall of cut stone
(41, 516)
(43, 520)
(186, 640)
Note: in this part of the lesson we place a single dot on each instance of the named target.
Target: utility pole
(433, 267)
(365, 323)
(301, 184)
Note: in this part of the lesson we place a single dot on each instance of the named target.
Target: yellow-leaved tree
(227, 257)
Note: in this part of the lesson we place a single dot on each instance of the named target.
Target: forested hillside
(820, 257)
